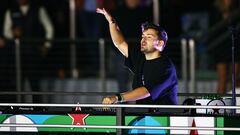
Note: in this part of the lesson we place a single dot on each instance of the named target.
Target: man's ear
(160, 45)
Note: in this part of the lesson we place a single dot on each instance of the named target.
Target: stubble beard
(147, 51)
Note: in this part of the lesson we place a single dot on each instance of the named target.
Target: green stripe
(219, 122)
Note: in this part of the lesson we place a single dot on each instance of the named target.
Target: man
(155, 80)
(26, 20)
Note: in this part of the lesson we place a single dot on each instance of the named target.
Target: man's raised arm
(115, 32)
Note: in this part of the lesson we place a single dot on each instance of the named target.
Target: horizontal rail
(122, 127)
(98, 93)
(121, 106)
(59, 93)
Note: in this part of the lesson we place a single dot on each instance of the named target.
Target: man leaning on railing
(155, 80)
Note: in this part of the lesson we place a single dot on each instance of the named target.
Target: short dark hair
(162, 34)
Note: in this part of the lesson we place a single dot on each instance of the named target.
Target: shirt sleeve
(45, 20)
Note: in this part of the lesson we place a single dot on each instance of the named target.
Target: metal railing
(191, 57)
(186, 61)
(119, 126)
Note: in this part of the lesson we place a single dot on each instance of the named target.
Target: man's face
(149, 41)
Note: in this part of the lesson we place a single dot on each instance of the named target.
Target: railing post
(102, 71)
(192, 66)
(184, 65)
(120, 120)
(18, 68)
(73, 57)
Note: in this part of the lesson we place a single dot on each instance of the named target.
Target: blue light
(146, 121)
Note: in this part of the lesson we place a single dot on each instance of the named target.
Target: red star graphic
(78, 119)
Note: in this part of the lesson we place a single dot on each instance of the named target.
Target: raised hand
(106, 14)
(115, 32)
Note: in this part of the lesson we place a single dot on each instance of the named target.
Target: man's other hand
(110, 100)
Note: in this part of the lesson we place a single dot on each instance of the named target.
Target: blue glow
(39, 119)
(146, 121)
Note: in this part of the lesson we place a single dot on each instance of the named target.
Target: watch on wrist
(120, 97)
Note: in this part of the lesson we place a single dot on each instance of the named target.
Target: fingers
(109, 100)
(101, 11)
(105, 13)
(98, 10)
(106, 101)
(104, 10)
